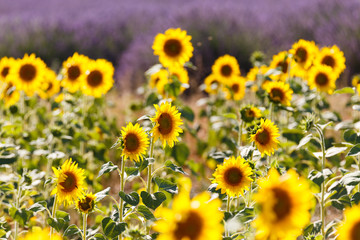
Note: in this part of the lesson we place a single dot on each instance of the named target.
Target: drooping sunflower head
(233, 176)
(9, 94)
(173, 47)
(350, 227)
(70, 183)
(283, 63)
(266, 136)
(5, 65)
(212, 84)
(195, 219)
(303, 53)
(322, 78)
(284, 203)
(135, 142)
(355, 80)
(40, 234)
(235, 88)
(27, 74)
(279, 93)
(50, 85)
(167, 124)
(86, 204)
(226, 67)
(250, 113)
(332, 57)
(98, 78)
(73, 71)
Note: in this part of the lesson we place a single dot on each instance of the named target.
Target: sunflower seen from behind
(226, 67)
(86, 204)
(135, 142)
(284, 203)
(212, 84)
(167, 124)
(322, 78)
(349, 228)
(279, 92)
(303, 52)
(332, 57)
(233, 177)
(173, 47)
(98, 78)
(70, 183)
(73, 71)
(50, 85)
(265, 137)
(5, 65)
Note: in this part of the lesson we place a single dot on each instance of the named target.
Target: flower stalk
(84, 225)
(53, 214)
(122, 184)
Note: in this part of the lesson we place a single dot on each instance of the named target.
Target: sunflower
(322, 78)
(167, 124)
(212, 84)
(98, 78)
(86, 204)
(332, 57)
(235, 88)
(303, 53)
(279, 92)
(266, 136)
(9, 94)
(73, 70)
(282, 62)
(27, 73)
(50, 86)
(233, 176)
(159, 78)
(173, 48)
(250, 113)
(69, 182)
(253, 73)
(350, 227)
(195, 219)
(181, 75)
(284, 203)
(40, 234)
(135, 142)
(226, 67)
(5, 65)
(355, 80)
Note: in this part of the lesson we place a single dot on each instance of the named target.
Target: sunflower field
(257, 155)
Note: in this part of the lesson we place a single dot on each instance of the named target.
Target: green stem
(240, 136)
(227, 233)
(358, 161)
(149, 177)
(17, 204)
(122, 183)
(271, 109)
(84, 225)
(53, 214)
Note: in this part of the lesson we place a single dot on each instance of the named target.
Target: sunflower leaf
(72, 230)
(146, 212)
(102, 194)
(111, 228)
(354, 151)
(166, 185)
(131, 198)
(348, 90)
(106, 168)
(38, 207)
(152, 200)
(173, 167)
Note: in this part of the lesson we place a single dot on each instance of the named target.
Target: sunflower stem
(271, 109)
(53, 214)
(240, 136)
(227, 232)
(17, 204)
(84, 225)
(148, 188)
(122, 183)
(358, 162)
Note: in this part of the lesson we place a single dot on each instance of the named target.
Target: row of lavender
(122, 31)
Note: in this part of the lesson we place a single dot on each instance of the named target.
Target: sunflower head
(250, 113)
(235, 88)
(50, 85)
(349, 229)
(322, 78)
(5, 65)
(303, 53)
(167, 124)
(70, 183)
(265, 137)
(332, 57)
(355, 80)
(212, 84)
(284, 203)
(233, 176)
(73, 71)
(173, 47)
(40, 234)
(283, 63)
(135, 142)
(158, 80)
(86, 204)
(226, 67)
(9, 94)
(279, 93)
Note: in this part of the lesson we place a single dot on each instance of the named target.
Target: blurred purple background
(123, 30)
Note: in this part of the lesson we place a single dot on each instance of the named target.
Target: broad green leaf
(246, 215)
(166, 185)
(152, 99)
(318, 177)
(38, 207)
(7, 158)
(98, 236)
(351, 136)
(230, 115)
(112, 229)
(187, 113)
(146, 212)
(131, 171)
(102, 194)
(131, 198)
(173, 167)
(72, 230)
(355, 200)
(20, 215)
(152, 200)
(304, 140)
(354, 151)
(180, 152)
(334, 151)
(348, 90)
(106, 168)
(60, 221)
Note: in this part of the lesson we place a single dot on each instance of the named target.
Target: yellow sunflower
(282, 62)
(27, 74)
(167, 124)
(5, 65)
(235, 88)
(181, 75)
(266, 136)
(253, 73)
(98, 78)
(86, 204)
(284, 203)
(9, 94)
(70, 183)
(50, 86)
(250, 113)
(303, 53)
(73, 71)
(135, 142)
(279, 92)
(195, 219)
(350, 227)
(40, 234)
(226, 67)
(322, 78)
(159, 78)
(332, 57)
(173, 48)
(233, 176)
(355, 80)
(212, 84)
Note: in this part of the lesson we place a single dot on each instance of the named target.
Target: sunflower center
(321, 79)
(165, 123)
(172, 47)
(95, 78)
(69, 184)
(131, 142)
(189, 228)
(282, 206)
(86, 204)
(73, 72)
(355, 231)
(283, 65)
(276, 94)
(235, 87)
(329, 61)
(226, 70)
(301, 55)
(5, 71)
(233, 176)
(27, 72)
(50, 86)
(249, 113)
(263, 137)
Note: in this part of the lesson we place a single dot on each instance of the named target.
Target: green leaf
(106, 168)
(304, 140)
(348, 90)
(72, 230)
(38, 207)
(152, 200)
(166, 185)
(98, 236)
(187, 113)
(354, 151)
(132, 171)
(230, 115)
(60, 221)
(355, 198)
(7, 158)
(22, 216)
(146, 212)
(246, 215)
(180, 152)
(351, 136)
(131, 198)
(313, 228)
(152, 99)
(318, 177)
(142, 164)
(102, 194)
(341, 202)
(334, 151)
(173, 167)
(112, 229)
